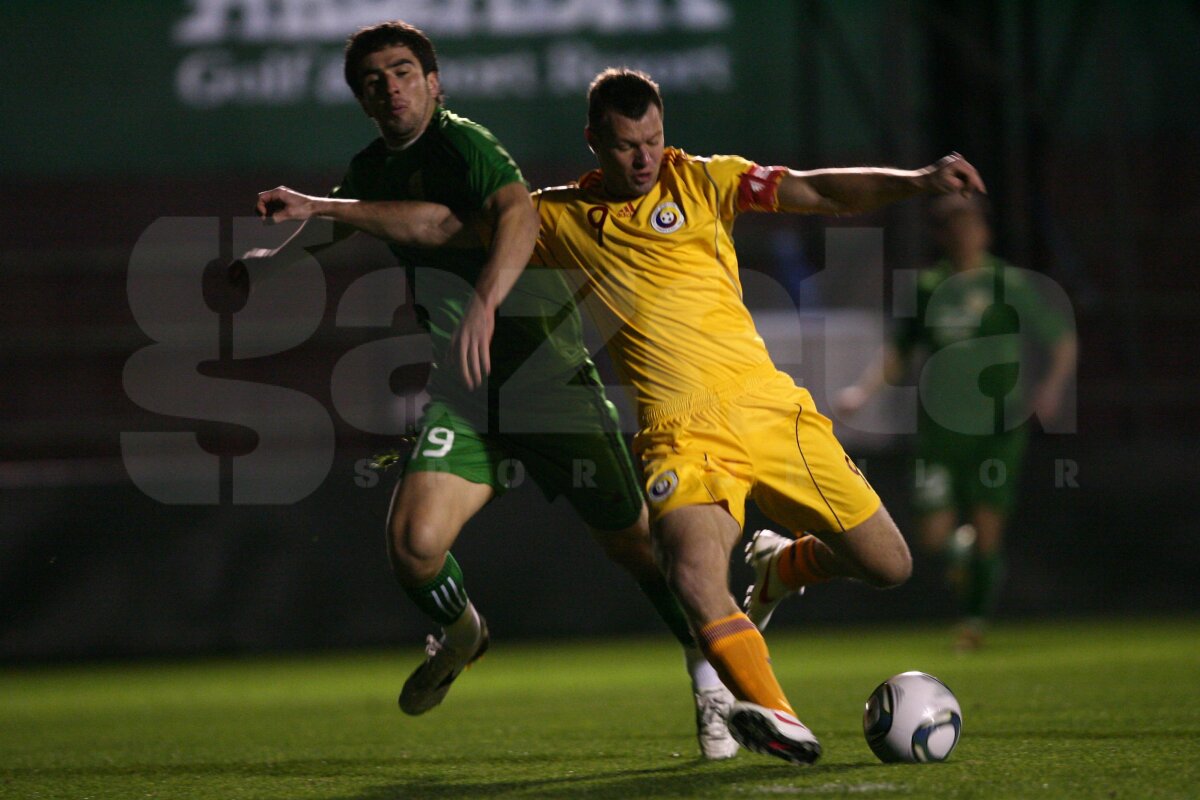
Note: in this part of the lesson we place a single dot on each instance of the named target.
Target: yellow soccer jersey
(664, 272)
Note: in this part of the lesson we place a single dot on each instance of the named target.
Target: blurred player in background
(975, 308)
(511, 378)
(648, 234)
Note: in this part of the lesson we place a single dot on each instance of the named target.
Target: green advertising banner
(137, 89)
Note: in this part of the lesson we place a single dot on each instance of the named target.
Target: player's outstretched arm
(406, 222)
(515, 221)
(856, 190)
(307, 240)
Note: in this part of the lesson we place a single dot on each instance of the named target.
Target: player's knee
(890, 570)
(934, 530)
(877, 551)
(416, 552)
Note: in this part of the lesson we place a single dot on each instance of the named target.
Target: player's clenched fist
(282, 204)
(952, 174)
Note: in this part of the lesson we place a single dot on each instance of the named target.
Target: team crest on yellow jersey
(667, 218)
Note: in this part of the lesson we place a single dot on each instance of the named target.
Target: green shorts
(565, 438)
(962, 471)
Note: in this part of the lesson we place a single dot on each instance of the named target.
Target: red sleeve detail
(758, 188)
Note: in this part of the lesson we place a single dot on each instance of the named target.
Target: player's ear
(435, 84)
(590, 137)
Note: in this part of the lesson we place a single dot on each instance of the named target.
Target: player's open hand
(850, 401)
(953, 174)
(472, 342)
(282, 204)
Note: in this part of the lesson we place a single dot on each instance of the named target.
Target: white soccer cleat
(430, 682)
(712, 730)
(773, 733)
(768, 590)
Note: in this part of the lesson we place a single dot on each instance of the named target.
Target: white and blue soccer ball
(912, 717)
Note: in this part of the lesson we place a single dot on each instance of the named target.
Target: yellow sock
(738, 653)
(798, 565)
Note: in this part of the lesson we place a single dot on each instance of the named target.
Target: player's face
(630, 152)
(397, 94)
(965, 237)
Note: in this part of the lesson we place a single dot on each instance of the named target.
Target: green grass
(1066, 710)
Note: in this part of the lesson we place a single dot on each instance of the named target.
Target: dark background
(1080, 115)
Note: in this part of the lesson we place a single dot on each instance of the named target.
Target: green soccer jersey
(460, 164)
(972, 325)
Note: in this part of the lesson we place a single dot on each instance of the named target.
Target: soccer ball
(912, 717)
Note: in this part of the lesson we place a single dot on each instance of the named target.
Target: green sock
(444, 598)
(984, 574)
(668, 608)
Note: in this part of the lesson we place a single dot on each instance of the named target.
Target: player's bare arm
(510, 214)
(407, 222)
(412, 223)
(515, 221)
(855, 190)
(308, 239)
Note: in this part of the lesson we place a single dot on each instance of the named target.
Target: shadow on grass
(692, 778)
(433, 778)
(292, 768)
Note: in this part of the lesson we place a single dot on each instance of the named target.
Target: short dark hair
(369, 40)
(626, 91)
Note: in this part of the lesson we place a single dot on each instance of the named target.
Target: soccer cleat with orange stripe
(772, 732)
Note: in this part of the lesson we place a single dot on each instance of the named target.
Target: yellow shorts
(769, 443)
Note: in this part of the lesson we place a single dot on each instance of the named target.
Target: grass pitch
(1064, 710)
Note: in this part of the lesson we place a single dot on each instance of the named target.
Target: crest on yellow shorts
(662, 488)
